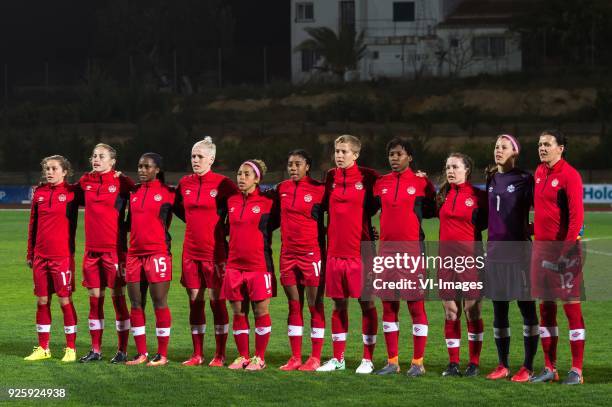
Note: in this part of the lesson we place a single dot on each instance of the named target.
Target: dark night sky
(32, 31)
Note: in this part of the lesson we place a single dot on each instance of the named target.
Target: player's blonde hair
(111, 151)
(206, 144)
(353, 141)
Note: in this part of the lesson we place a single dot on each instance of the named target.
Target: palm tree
(340, 53)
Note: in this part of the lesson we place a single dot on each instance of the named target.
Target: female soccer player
(249, 275)
(201, 202)
(510, 193)
(462, 209)
(149, 258)
(405, 199)
(53, 220)
(106, 196)
(350, 202)
(558, 219)
(302, 236)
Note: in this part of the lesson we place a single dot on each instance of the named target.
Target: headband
(255, 168)
(513, 141)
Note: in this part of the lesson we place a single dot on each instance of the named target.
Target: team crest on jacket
(112, 189)
(188, 192)
(490, 189)
(359, 186)
(511, 188)
(256, 209)
(61, 198)
(469, 202)
(307, 198)
(554, 182)
(213, 193)
(411, 190)
(157, 197)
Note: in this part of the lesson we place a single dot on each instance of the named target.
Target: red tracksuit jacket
(150, 214)
(404, 200)
(558, 203)
(301, 215)
(201, 202)
(463, 215)
(106, 198)
(350, 203)
(252, 219)
(53, 221)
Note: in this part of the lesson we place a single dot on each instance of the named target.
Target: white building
(414, 38)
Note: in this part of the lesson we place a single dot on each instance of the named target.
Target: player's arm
(428, 202)
(575, 205)
(481, 213)
(372, 205)
(32, 227)
(329, 181)
(179, 204)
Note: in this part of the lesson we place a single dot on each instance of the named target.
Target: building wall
(326, 13)
(404, 49)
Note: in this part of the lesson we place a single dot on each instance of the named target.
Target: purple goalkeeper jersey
(510, 198)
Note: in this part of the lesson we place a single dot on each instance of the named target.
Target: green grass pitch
(106, 384)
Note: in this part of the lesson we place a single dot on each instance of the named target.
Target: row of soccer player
(213, 207)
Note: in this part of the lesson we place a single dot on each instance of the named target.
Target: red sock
(221, 326)
(549, 333)
(197, 319)
(138, 322)
(452, 333)
(163, 322)
(420, 329)
(339, 331)
(43, 324)
(295, 328)
(96, 322)
(317, 329)
(391, 327)
(122, 322)
(263, 327)
(241, 334)
(576, 334)
(369, 328)
(70, 324)
(475, 337)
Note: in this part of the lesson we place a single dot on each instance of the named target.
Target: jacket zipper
(294, 194)
(455, 199)
(244, 199)
(51, 197)
(396, 187)
(99, 187)
(145, 196)
(199, 188)
(344, 181)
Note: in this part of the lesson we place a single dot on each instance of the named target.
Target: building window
(347, 15)
(304, 12)
(489, 47)
(403, 11)
(309, 59)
